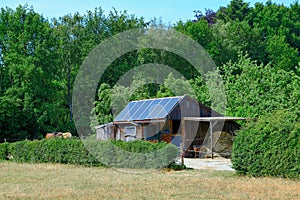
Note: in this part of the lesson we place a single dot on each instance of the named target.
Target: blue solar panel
(147, 109)
(141, 110)
(134, 107)
(158, 110)
(124, 114)
(168, 107)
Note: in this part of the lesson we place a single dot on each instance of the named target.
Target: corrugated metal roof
(148, 109)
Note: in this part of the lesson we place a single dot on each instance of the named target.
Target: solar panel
(168, 107)
(140, 110)
(145, 114)
(147, 109)
(159, 110)
(124, 114)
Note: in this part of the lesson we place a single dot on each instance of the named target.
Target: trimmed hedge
(269, 147)
(136, 154)
(66, 151)
(4, 151)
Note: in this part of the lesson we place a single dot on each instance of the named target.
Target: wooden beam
(143, 134)
(211, 138)
(171, 126)
(208, 119)
(182, 146)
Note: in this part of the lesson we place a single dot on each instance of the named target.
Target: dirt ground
(213, 164)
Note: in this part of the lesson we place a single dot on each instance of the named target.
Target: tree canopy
(256, 50)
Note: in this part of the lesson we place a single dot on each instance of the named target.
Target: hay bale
(223, 142)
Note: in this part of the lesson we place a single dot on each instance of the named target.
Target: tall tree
(102, 113)
(237, 10)
(254, 90)
(28, 60)
(68, 30)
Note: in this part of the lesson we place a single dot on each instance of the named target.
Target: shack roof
(148, 109)
(160, 109)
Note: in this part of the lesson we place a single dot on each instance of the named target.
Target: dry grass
(54, 181)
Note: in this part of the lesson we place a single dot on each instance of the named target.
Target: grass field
(55, 181)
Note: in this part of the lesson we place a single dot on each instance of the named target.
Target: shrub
(70, 151)
(269, 147)
(177, 167)
(4, 151)
(136, 154)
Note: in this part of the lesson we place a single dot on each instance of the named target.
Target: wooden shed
(105, 131)
(172, 119)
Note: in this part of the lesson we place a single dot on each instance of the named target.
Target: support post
(182, 145)
(211, 138)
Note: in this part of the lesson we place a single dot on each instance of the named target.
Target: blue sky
(169, 10)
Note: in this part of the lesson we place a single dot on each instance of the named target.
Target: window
(130, 131)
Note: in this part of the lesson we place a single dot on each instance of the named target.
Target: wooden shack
(105, 131)
(162, 119)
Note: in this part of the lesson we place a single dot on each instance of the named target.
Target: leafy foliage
(39, 60)
(237, 10)
(102, 111)
(253, 90)
(137, 154)
(269, 147)
(256, 50)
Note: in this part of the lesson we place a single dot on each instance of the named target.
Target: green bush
(139, 146)
(136, 154)
(4, 151)
(67, 151)
(269, 147)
